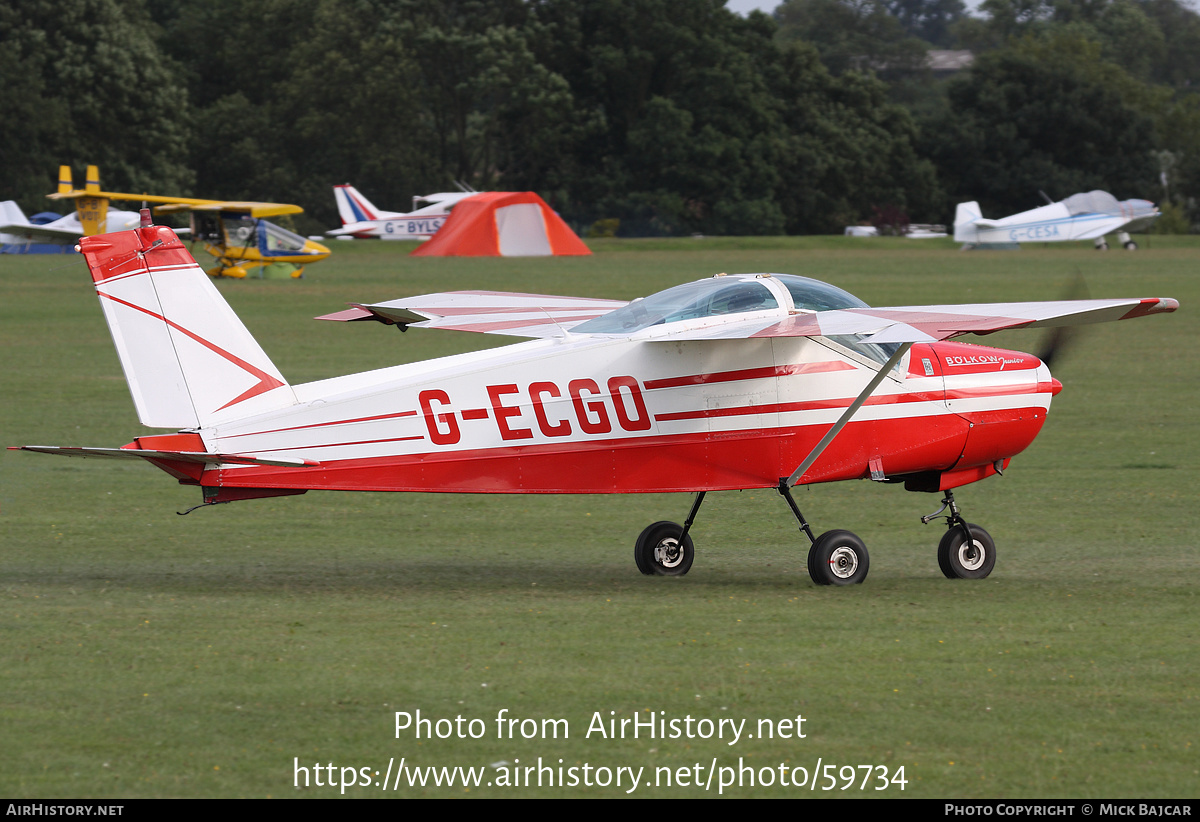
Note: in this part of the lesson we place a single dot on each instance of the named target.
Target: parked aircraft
(234, 232)
(730, 382)
(15, 228)
(1086, 216)
(361, 219)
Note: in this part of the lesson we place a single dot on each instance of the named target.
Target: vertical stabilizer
(92, 208)
(189, 361)
(352, 206)
(11, 213)
(65, 182)
(964, 222)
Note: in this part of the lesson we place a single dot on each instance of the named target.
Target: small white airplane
(362, 220)
(1086, 216)
(15, 228)
(729, 382)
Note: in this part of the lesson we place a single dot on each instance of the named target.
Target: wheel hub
(667, 553)
(971, 555)
(843, 562)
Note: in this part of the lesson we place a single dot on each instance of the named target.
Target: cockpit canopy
(1092, 202)
(718, 296)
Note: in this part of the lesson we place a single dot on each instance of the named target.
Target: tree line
(671, 116)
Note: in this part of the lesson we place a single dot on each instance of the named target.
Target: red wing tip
(1152, 305)
(348, 315)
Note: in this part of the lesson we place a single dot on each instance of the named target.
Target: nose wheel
(963, 558)
(966, 551)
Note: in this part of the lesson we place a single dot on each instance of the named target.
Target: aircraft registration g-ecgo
(730, 382)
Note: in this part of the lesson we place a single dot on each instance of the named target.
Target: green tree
(677, 129)
(86, 83)
(847, 151)
(1177, 63)
(928, 20)
(1045, 114)
(854, 35)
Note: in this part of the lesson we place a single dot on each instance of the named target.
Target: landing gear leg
(836, 557)
(966, 551)
(785, 491)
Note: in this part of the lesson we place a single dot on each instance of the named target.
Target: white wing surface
(927, 323)
(488, 312)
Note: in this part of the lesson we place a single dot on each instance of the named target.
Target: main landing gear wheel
(660, 551)
(960, 559)
(838, 558)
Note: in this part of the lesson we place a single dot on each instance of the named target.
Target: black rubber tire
(957, 561)
(838, 558)
(659, 552)
(1131, 246)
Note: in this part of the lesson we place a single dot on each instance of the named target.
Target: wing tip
(1152, 305)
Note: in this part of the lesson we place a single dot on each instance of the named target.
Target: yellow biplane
(235, 233)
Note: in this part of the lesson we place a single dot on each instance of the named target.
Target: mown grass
(147, 654)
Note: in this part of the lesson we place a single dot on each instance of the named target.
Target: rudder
(352, 206)
(188, 359)
(965, 216)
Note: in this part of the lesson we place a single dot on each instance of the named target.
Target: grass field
(148, 654)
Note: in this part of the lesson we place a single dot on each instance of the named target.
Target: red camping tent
(503, 224)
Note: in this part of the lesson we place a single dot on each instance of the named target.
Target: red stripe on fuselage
(809, 405)
(751, 374)
(685, 462)
(323, 424)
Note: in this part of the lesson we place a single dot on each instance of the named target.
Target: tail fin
(91, 207)
(65, 183)
(964, 222)
(188, 359)
(11, 214)
(352, 206)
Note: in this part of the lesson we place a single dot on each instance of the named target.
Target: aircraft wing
(488, 312)
(42, 234)
(251, 208)
(929, 323)
(1093, 227)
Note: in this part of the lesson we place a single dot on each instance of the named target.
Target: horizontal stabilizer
(195, 457)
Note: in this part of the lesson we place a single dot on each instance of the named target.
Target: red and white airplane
(361, 219)
(735, 381)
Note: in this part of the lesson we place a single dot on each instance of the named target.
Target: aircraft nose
(1046, 380)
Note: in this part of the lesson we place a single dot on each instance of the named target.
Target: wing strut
(847, 414)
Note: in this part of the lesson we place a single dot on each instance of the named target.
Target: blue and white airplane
(1085, 216)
